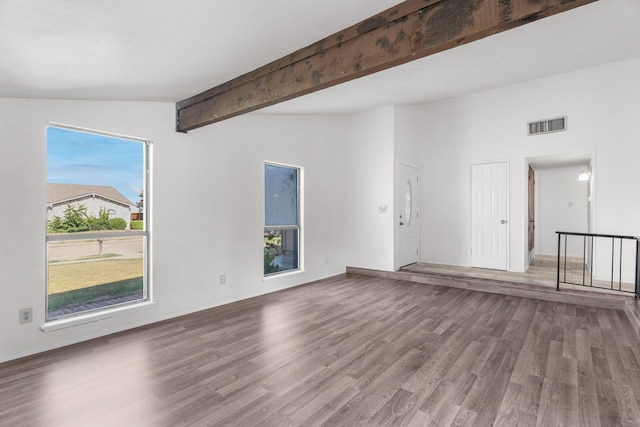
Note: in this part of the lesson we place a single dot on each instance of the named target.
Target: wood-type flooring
(349, 350)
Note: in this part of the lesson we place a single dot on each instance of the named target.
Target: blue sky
(84, 158)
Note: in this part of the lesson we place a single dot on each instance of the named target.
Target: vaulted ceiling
(166, 51)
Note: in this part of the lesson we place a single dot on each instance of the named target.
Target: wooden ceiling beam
(410, 30)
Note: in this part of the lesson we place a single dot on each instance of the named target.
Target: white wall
(602, 105)
(381, 139)
(408, 133)
(407, 144)
(217, 171)
(562, 206)
(369, 182)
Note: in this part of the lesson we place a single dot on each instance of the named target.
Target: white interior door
(489, 220)
(406, 211)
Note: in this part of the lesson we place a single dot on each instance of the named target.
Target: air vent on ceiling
(547, 126)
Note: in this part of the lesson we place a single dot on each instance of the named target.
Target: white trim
(147, 184)
(98, 132)
(285, 273)
(94, 316)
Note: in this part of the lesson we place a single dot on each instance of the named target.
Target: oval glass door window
(407, 202)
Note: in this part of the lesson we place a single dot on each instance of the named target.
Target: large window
(281, 218)
(97, 221)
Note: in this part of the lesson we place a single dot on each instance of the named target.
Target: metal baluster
(584, 256)
(637, 271)
(620, 276)
(591, 280)
(558, 269)
(565, 258)
(613, 249)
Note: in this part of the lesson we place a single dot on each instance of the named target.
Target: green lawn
(92, 293)
(83, 282)
(69, 277)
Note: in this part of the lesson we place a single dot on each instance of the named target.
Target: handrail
(589, 261)
(616, 236)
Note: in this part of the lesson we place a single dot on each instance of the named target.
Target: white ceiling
(153, 50)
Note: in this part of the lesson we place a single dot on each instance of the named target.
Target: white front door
(489, 220)
(406, 214)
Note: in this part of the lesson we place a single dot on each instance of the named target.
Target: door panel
(489, 215)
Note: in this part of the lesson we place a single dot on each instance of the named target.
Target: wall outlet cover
(26, 315)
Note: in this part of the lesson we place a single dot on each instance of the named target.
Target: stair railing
(587, 262)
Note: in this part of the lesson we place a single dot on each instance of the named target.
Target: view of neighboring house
(94, 197)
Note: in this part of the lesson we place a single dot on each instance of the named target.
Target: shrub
(117, 224)
(137, 224)
(56, 225)
(100, 223)
(76, 219)
(269, 265)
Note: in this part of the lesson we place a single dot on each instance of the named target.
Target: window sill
(283, 274)
(82, 319)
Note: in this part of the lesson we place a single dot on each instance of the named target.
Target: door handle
(504, 221)
(401, 223)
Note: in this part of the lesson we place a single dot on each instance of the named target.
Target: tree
(140, 204)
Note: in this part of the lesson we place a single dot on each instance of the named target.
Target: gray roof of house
(57, 193)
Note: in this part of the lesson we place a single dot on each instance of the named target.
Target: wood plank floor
(350, 350)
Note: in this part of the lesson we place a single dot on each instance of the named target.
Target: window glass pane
(91, 274)
(96, 238)
(96, 176)
(281, 195)
(281, 251)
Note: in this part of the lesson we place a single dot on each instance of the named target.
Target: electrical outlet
(223, 279)
(26, 315)
(326, 261)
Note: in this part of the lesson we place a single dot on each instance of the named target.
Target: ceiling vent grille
(547, 126)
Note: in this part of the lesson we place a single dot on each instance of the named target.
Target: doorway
(407, 203)
(562, 206)
(531, 187)
(560, 201)
(489, 215)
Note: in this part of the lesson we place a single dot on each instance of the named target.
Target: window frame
(299, 215)
(145, 233)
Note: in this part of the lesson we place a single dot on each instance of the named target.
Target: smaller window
(282, 219)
